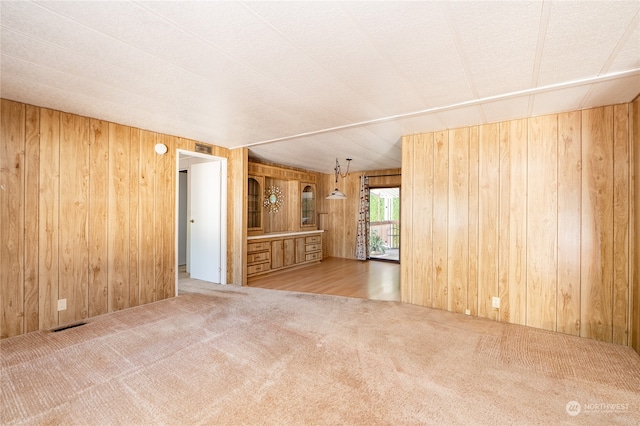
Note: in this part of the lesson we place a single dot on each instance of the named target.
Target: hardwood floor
(340, 277)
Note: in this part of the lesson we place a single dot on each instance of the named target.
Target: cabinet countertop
(284, 234)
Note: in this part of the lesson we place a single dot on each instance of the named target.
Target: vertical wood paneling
(407, 214)
(634, 252)
(569, 213)
(474, 176)
(504, 222)
(458, 244)
(488, 199)
(542, 222)
(440, 219)
(49, 213)
(352, 186)
(85, 216)
(98, 210)
(597, 224)
(620, 224)
(164, 211)
(74, 201)
(277, 222)
(146, 194)
(118, 216)
(169, 288)
(422, 273)
(134, 219)
(12, 209)
(336, 222)
(236, 215)
(551, 215)
(160, 217)
(31, 215)
(517, 232)
(294, 213)
(331, 208)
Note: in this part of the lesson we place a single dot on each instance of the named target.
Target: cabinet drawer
(259, 267)
(264, 245)
(313, 256)
(313, 239)
(312, 247)
(258, 257)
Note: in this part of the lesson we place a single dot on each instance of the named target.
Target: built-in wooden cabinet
(286, 236)
(255, 186)
(313, 248)
(281, 251)
(258, 257)
(277, 254)
(307, 205)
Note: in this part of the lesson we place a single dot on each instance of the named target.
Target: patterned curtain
(362, 242)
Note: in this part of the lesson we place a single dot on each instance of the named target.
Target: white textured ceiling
(302, 83)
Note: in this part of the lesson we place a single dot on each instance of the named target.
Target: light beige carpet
(252, 356)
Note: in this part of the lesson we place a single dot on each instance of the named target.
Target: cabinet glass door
(308, 205)
(254, 203)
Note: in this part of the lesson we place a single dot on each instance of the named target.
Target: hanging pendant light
(336, 194)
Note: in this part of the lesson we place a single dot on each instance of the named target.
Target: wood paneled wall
(238, 169)
(342, 215)
(88, 215)
(535, 211)
(635, 224)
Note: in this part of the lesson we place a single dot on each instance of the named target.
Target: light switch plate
(62, 305)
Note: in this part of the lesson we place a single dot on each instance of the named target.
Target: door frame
(388, 186)
(223, 211)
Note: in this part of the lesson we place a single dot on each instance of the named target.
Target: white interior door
(205, 221)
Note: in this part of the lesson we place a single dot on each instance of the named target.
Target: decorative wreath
(273, 199)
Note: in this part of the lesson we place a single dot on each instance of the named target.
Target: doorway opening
(201, 217)
(384, 224)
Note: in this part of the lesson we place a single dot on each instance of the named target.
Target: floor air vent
(66, 327)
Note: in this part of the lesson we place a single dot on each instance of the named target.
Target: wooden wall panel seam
(48, 208)
(12, 216)
(407, 214)
(134, 219)
(440, 215)
(504, 221)
(31, 229)
(569, 229)
(474, 184)
(597, 272)
(541, 254)
(634, 255)
(621, 204)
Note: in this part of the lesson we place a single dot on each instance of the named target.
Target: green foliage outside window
(376, 208)
(376, 245)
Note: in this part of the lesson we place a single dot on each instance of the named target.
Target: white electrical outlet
(495, 302)
(62, 305)
(467, 312)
